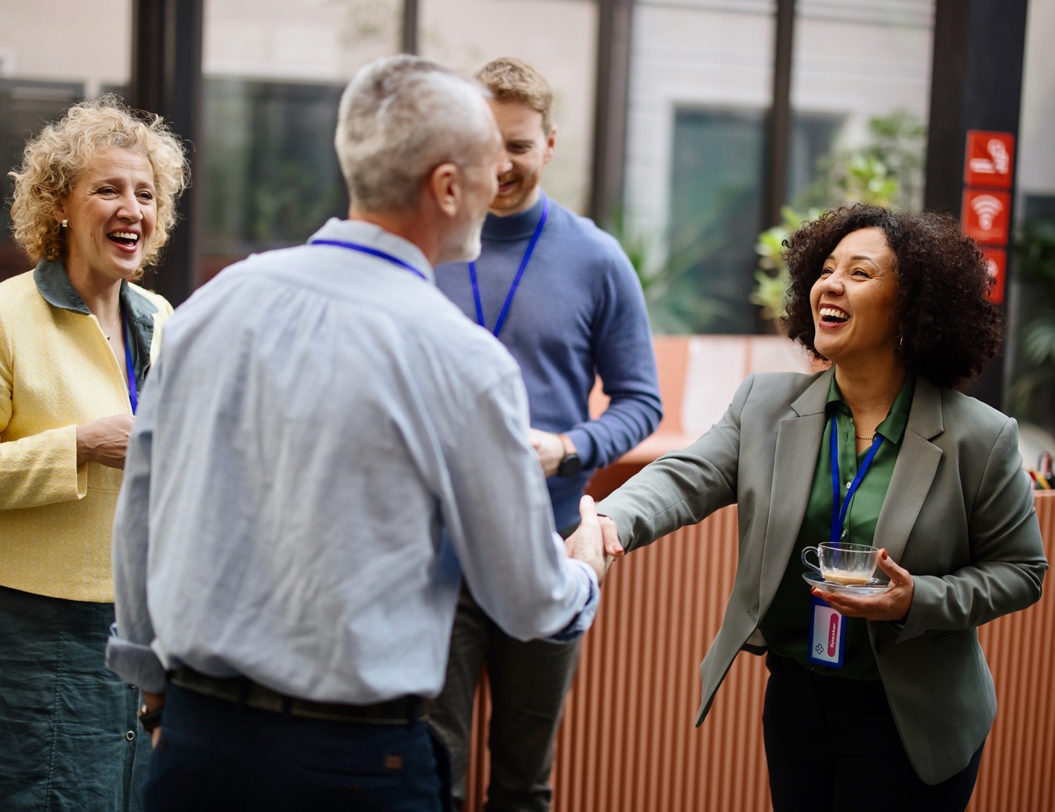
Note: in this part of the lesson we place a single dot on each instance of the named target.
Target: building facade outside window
(52, 54)
(701, 87)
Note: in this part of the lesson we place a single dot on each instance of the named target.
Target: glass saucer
(873, 587)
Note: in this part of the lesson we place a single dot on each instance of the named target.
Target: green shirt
(786, 624)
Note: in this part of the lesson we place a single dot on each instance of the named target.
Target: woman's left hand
(890, 605)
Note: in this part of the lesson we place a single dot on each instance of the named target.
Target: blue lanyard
(839, 515)
(366, 249)
(132, 398)
(516, 279)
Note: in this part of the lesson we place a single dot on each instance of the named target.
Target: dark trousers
(216, 755)
(832, 744)
(528, 684)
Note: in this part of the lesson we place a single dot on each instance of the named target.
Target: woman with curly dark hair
(879, 696)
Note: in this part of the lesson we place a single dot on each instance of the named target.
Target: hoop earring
(65, 223)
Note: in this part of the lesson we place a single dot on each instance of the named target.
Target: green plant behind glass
(886, 171)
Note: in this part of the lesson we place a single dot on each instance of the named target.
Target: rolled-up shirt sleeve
(501, 524)
(128, 651)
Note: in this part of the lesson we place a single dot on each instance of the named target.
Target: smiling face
(854, 298)
(111, 214)
(526, 149)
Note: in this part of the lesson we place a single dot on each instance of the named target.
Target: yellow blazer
(57, 371)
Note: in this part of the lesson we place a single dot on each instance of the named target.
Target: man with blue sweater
(561, 295)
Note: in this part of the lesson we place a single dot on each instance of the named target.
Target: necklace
(112, 326)
(859, 437)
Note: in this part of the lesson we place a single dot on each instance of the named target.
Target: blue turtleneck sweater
(578, 313)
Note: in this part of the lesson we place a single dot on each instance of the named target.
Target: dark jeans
(217, 755)
(528, 684)
(69, 739)
(832, 744)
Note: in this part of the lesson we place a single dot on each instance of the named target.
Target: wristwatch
(150, 719)
(571, 464)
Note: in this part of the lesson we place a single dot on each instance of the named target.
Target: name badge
(827, 638)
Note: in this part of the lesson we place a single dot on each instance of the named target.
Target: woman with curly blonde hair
(94, 203)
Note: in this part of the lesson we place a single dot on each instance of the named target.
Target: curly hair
(948, 328)
(54, 161)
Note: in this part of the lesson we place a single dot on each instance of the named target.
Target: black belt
(241, 690)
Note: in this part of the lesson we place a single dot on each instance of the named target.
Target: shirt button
(130, 735)
(849, 483)
(844, 534)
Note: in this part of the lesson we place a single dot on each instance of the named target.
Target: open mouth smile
(126, 240)
(832, 316)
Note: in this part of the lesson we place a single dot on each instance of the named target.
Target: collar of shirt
(57, 290)
(893, 427)
(373, 236)
(516, 226)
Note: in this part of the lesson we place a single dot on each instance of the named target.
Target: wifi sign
(985, 215)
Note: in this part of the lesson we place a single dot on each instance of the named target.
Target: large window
(701, 86)
(715, 208)
(863, 66)
(270, 173)
(559, 38)
(273, 75)
(701, 80)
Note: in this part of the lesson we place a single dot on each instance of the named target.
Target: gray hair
(400, 118)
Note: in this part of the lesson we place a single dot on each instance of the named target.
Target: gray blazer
(958, 515)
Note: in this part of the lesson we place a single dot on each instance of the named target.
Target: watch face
(569, 466)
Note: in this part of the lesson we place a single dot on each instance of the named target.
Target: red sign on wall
(996, 259)
(986, 215)
(990, 159)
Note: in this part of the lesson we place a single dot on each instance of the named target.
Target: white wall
(1036, 147)
(309, 40)
(64, 41)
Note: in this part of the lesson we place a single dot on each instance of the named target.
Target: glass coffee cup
(843, 563)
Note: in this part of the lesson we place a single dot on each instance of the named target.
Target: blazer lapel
(798, 443)
(917, 463)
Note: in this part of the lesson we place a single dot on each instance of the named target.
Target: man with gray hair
(324, 446)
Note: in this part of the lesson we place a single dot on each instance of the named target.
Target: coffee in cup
(843, 563)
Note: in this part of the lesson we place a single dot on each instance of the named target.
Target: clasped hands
(892, 605)
(594, 539)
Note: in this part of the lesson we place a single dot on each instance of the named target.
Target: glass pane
(274, 74)
(716, 205)
(556, 36)
(860, 96)
(701, 83)
(87, 53)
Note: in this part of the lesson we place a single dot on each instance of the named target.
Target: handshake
(595, 541)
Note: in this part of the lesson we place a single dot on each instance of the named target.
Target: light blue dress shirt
(324, 446)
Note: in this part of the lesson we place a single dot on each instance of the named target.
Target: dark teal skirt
(69, 739)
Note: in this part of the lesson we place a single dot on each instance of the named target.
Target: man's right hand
(104, 440)
(587, 542)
